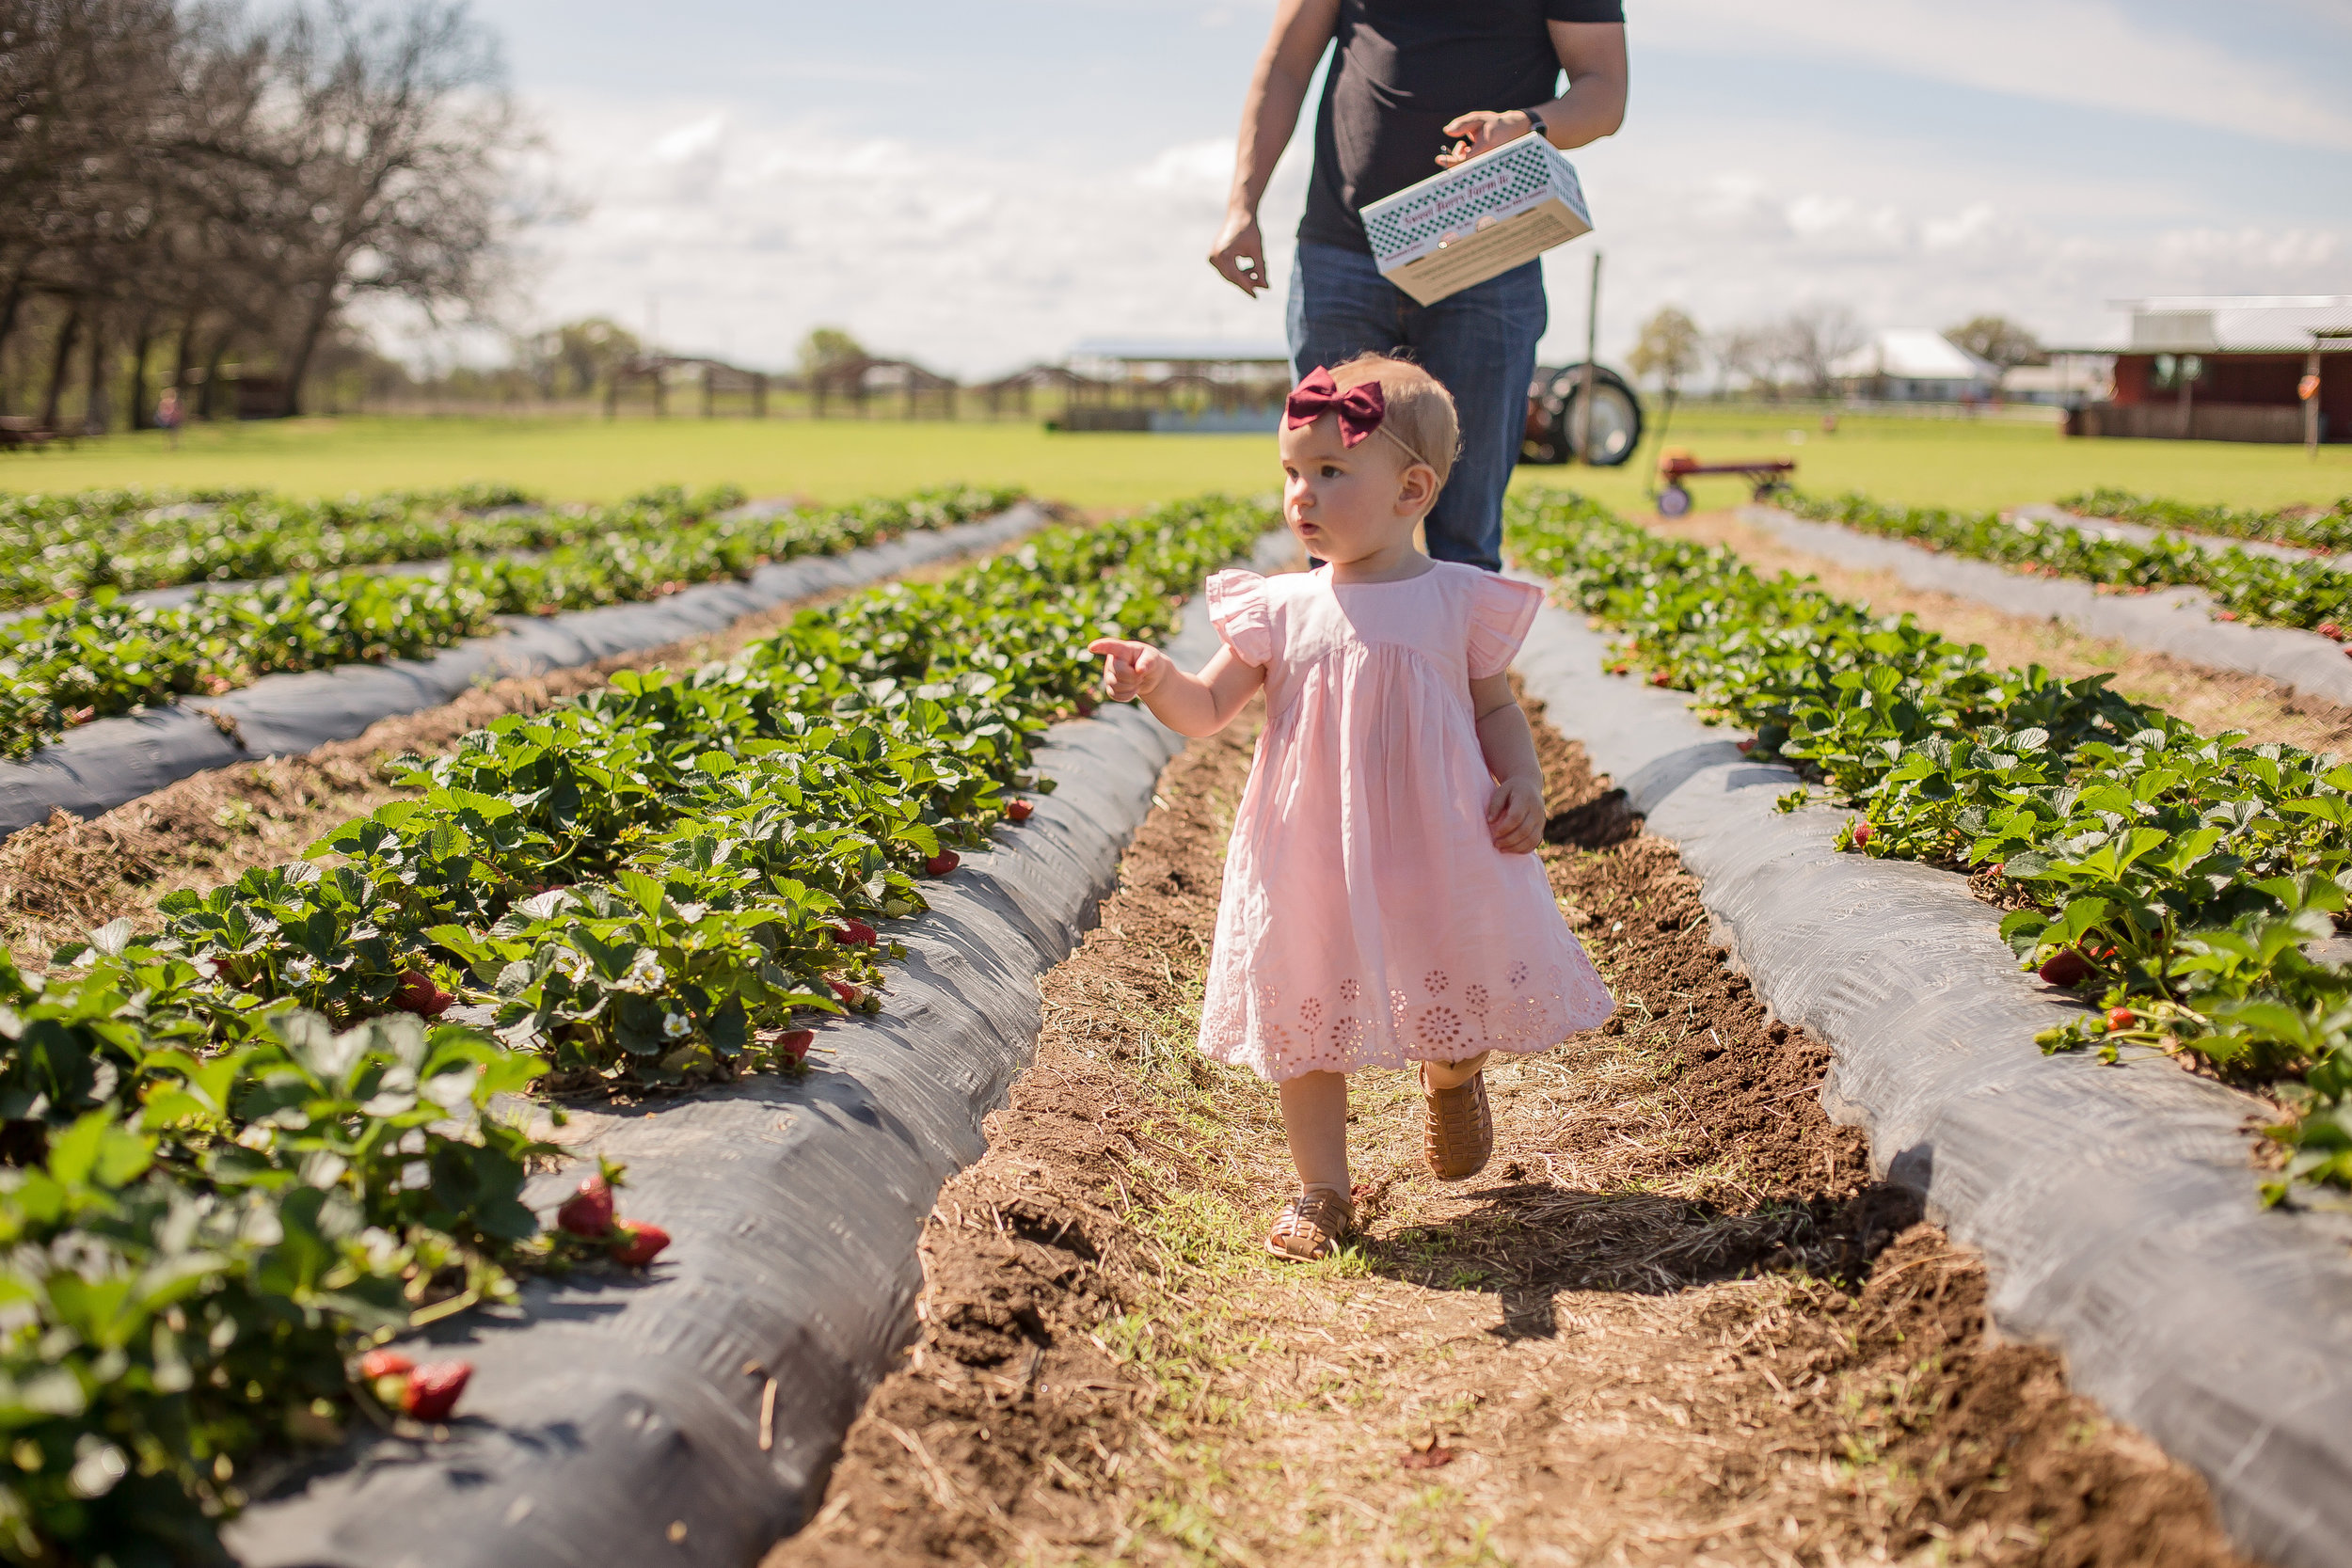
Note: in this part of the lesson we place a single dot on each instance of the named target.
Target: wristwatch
(1536, 123)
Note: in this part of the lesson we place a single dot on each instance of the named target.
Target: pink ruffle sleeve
(1237, 608)
(1501, 609)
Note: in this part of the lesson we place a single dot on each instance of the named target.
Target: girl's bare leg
(1448, 1075)
(1314, 1114)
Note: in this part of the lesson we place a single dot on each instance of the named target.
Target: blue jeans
(1481, 343)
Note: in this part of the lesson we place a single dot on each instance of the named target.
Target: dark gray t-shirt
(1404, 68)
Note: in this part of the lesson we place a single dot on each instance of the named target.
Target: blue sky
(982, 186)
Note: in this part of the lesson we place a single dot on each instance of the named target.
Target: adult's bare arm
(1593, 55)
(1269, 113)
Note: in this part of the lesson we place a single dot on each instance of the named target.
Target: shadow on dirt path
(1674, 1321)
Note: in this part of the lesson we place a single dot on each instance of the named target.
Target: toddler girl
(1382, 901)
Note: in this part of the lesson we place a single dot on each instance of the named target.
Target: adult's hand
(1483, 130)
(1239, 256)
(1302, 30)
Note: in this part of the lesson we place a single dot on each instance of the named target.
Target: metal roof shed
(1912, 364)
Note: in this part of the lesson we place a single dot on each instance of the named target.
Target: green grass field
(1919, 461)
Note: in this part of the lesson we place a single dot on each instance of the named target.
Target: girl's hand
(1514, 815)
(1130, 669)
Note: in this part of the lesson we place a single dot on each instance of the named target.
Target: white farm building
(1911, 364)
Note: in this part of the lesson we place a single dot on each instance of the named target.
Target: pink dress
(1368, 920)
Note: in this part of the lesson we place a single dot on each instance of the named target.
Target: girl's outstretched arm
(1515, 813)
(1189, 704)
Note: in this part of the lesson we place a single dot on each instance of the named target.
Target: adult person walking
(1416, 85)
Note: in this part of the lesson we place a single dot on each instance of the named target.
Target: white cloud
(1735, 248)
(750, 235)
(2092, 54)
(749, 231)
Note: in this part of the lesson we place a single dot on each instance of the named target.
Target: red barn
(2247, 368)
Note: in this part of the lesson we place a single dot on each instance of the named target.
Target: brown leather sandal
(1458, 1130)
(1309, 1225)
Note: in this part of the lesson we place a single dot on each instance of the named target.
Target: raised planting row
(2169, 878)
(2325, 529)
(61, 546)
(2309, 595)
(236, 1161)
(100, 655)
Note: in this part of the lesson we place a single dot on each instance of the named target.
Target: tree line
(1799, 350)
(191, 188)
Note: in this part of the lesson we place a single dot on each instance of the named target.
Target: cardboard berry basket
(1477, 220)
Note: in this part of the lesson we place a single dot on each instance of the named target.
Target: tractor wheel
(1551, 417)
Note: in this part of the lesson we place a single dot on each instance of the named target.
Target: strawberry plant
(2169, 876)
(2312, 528)
(239, 1157)
(2304, 595)
(103, 655)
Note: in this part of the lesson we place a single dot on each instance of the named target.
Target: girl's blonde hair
(1419, 417)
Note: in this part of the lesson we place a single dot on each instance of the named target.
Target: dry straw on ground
(1673, 1322)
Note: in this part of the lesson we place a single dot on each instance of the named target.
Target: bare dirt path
(2212, 700)
(1673, 1322)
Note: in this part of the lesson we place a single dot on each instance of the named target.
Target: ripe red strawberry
(2066, 968)
(795, 1043)
(1660, 678)
(638, 1244)
(384, 1363)
(417, 994)
(2225, 615)
(1746, 746)
(1086, 707)
(2121, 1018)
(433, 1388)
(842, 989)
(588, 1212)
(2329, 628)
(1018, 811)
(1863, 833)
(2000, 868)
(855, 933)
(943, 862)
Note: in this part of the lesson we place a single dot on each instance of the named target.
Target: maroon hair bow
(1361, 409)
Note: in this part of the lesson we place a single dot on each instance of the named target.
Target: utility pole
(1591, 351)
(2309, 391)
